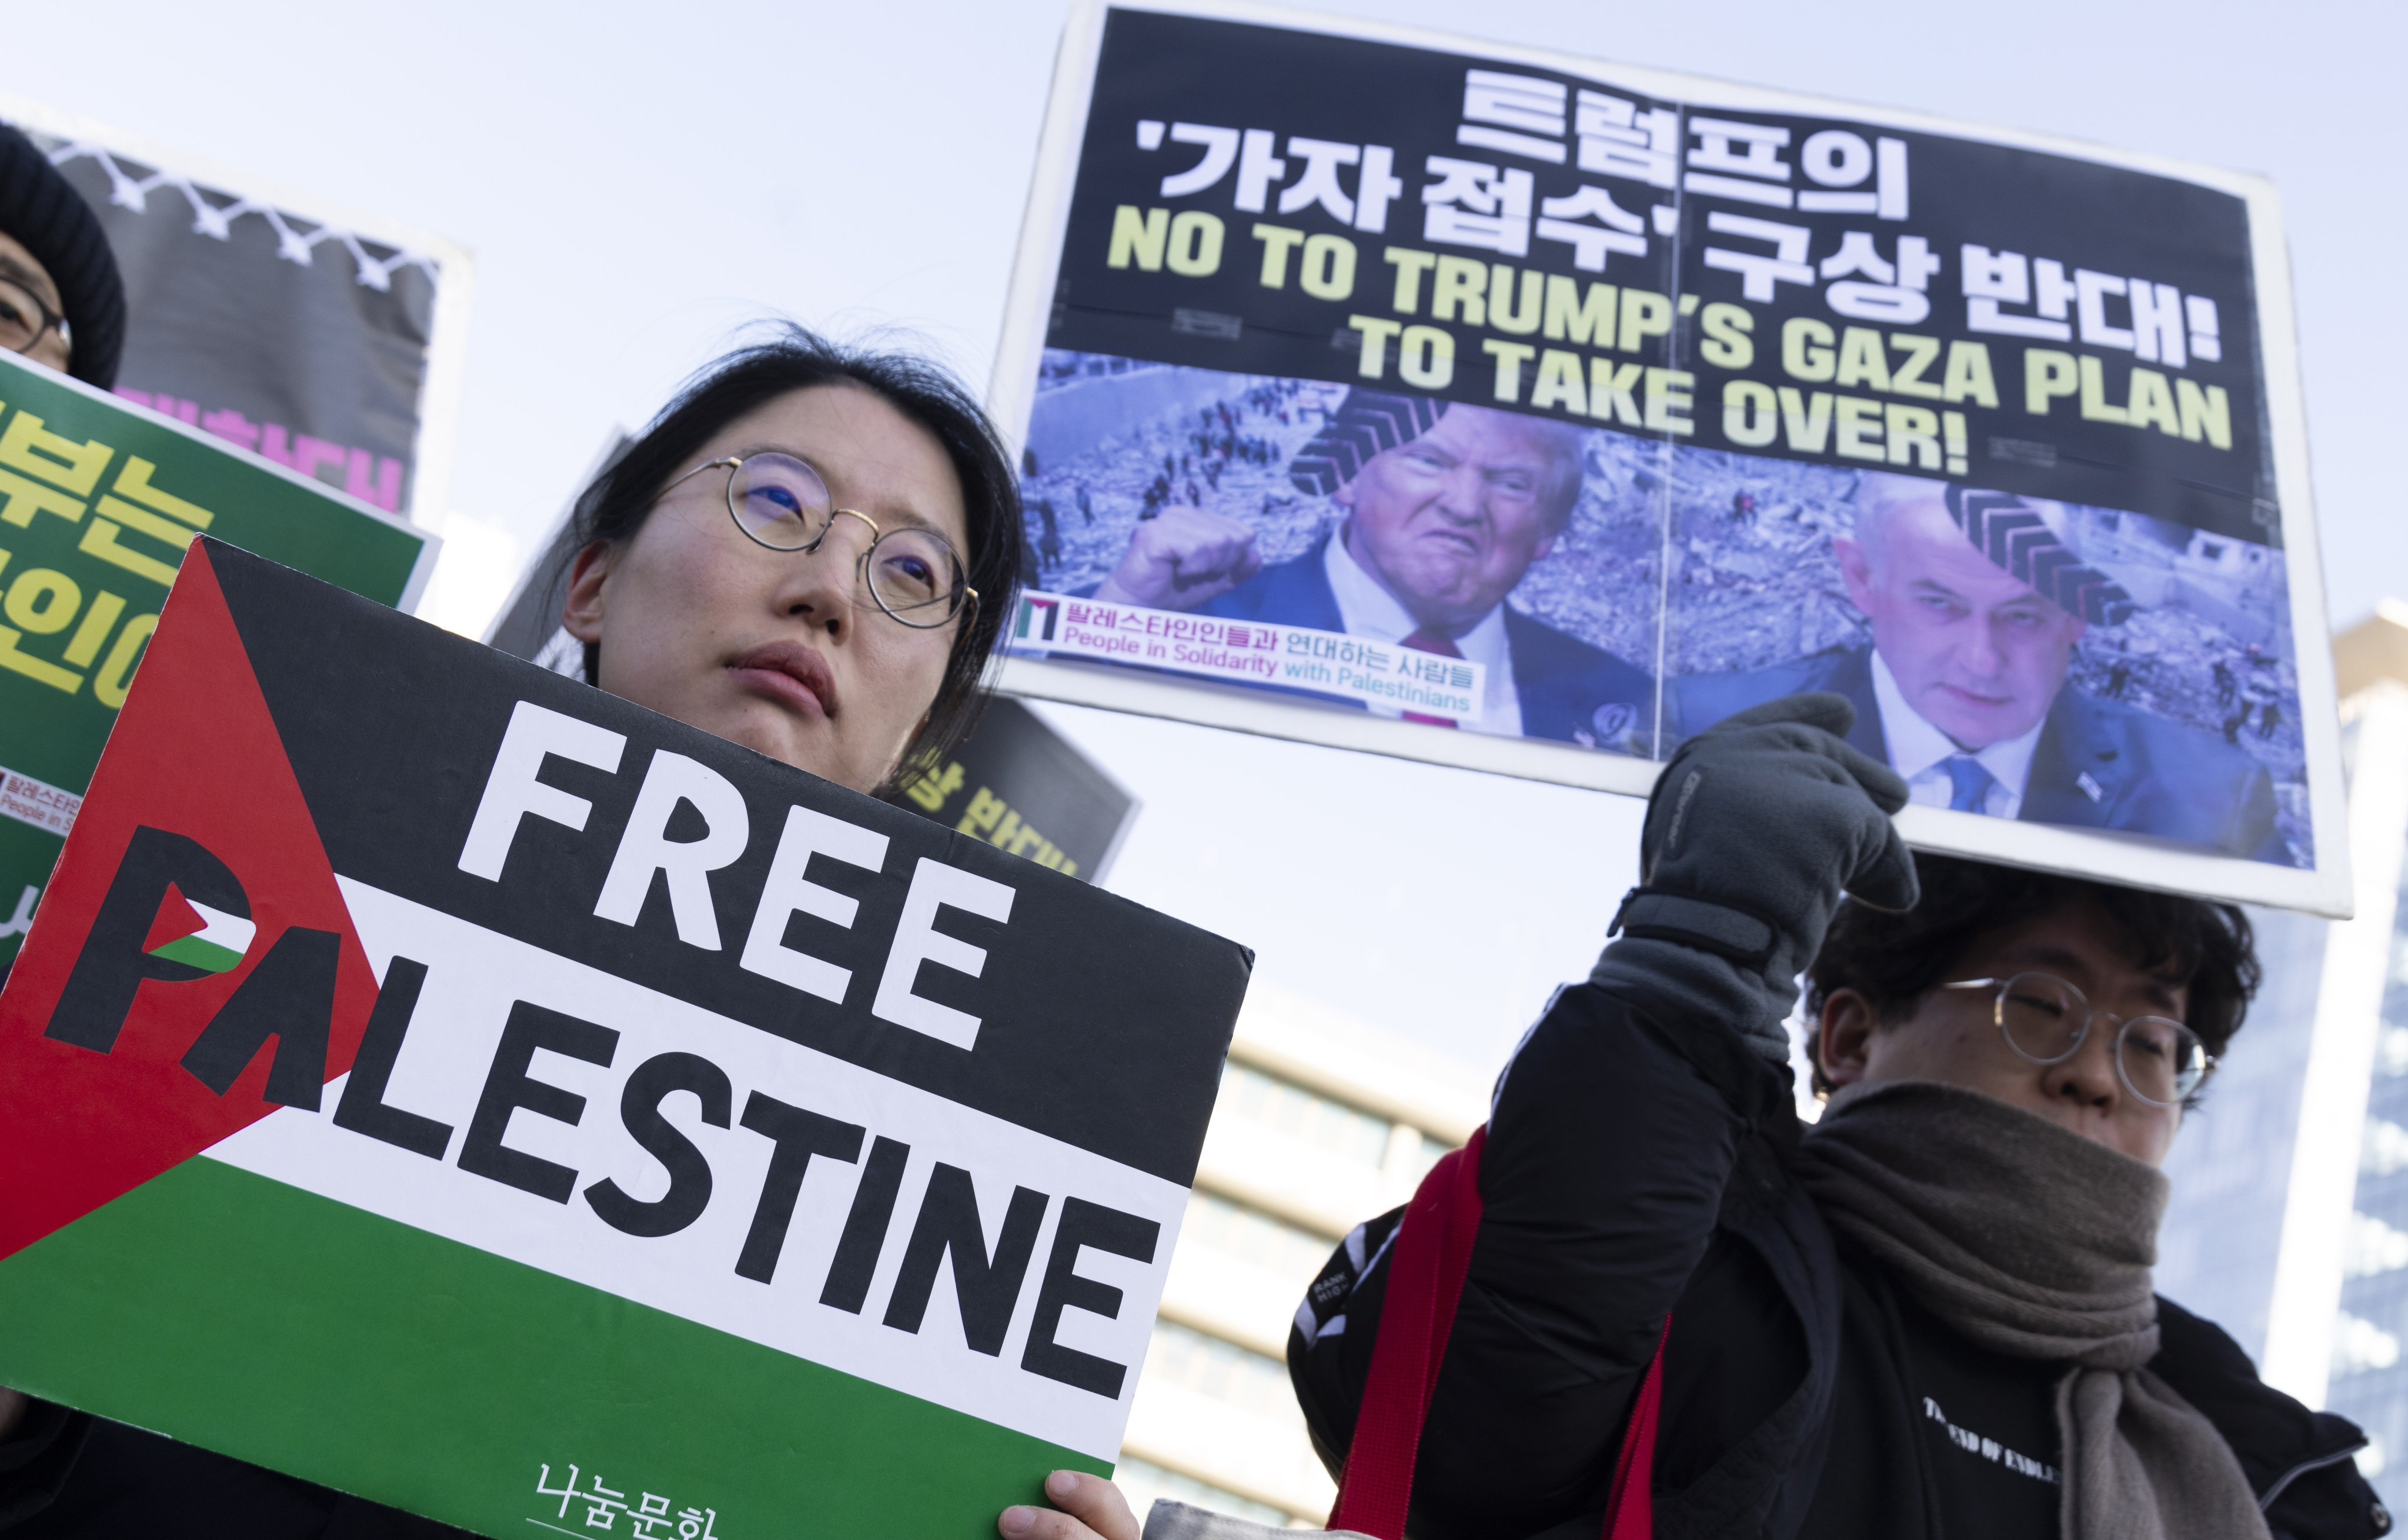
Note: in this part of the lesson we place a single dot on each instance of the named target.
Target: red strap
(1433, 1253)
(1631, 1512)
(1432, 1256)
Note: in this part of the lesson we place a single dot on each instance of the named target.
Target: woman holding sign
(811, 553)
(808, 552)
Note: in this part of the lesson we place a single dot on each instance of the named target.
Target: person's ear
(580, 611)
(1344, 495)
(1843, 1037)
(1855, 571)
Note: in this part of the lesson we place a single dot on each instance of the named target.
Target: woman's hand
(1092, 1509)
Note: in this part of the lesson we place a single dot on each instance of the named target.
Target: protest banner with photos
(328, 341)
(1591, 405)
(98, 502)
(447, 1082)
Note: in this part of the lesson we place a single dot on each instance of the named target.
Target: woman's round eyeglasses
(779, 501)
(2046, 1019)
(24, 320)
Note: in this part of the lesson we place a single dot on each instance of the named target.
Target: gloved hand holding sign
(1756, 828)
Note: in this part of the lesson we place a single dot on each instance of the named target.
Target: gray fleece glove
(1754, 830)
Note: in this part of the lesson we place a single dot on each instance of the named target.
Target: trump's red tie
(1428, 640)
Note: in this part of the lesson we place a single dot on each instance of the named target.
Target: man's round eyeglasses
(779, 501)
(24, 320)
(2047, 1020)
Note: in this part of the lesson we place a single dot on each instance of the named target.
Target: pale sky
(636, 182)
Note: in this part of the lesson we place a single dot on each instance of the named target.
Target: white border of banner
(447, 342)
(2134, 860)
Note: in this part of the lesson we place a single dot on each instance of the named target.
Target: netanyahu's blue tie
(1969, 782)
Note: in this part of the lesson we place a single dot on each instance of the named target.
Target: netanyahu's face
(1977, 652)
(1450, 522)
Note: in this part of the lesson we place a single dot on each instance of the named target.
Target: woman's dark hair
(1894, 960)
(614, 506)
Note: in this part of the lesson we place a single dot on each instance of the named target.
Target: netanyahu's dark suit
(2099, 763)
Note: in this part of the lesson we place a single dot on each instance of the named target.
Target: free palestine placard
(444, 1081)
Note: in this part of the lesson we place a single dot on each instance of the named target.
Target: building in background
(2231, 1163)
(2289, 1221)
(1322, 1123)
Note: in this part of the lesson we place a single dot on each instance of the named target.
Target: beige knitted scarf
(2036, 1242)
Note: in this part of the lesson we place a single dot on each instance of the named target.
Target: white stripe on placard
(474, 978)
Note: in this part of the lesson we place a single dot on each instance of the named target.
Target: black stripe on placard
(1100, 1022)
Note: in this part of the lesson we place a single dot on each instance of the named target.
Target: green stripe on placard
(193, 951)
(228, 1310)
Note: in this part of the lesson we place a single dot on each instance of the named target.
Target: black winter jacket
(1638, 1161)
(66, 1473)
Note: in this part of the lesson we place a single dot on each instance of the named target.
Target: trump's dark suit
(1568, 690)
(2100, 764)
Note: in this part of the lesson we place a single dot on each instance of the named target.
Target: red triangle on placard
(177, 919)
(194, 752)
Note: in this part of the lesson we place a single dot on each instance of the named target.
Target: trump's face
(1450, 522)
(1977, 652)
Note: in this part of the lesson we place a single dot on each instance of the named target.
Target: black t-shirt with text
(1933, 1434)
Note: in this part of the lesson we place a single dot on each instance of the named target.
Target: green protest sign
(99, 500)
